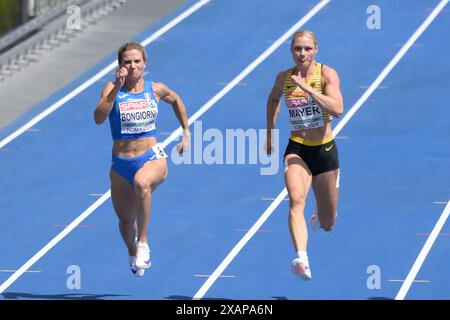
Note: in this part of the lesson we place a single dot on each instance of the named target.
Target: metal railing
(45, 32)
(37, 7)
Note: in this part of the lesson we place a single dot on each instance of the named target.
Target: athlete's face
(134, 62)
(303, 50)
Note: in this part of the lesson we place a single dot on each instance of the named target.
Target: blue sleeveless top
(134, 114)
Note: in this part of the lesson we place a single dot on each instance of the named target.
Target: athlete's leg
(298, 181)
(146, 180)
(124, 202)
(326, 191)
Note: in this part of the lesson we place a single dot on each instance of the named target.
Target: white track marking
(423, 254)
(53, 242)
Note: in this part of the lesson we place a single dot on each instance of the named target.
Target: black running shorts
(319, 159)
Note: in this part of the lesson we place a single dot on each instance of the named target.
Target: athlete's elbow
(338, 112)
(98, 118)
(178, 105)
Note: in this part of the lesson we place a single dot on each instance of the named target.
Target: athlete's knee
(159, 180)
(165, 172)
(142, 188)
(297, 201)
(126, 223)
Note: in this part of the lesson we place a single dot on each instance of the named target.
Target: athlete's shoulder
(157, 85)
(285, 73)
(282, 75)
(328, 71)
(159, 88)
(329, 74)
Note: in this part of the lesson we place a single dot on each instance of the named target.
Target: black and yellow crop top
(304, 113)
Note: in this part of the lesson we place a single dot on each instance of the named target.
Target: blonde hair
(131, 46)
(304, 33)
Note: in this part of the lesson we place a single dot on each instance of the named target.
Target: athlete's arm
(331, 100)
(169, 96)
(108, 96)
(273, 108)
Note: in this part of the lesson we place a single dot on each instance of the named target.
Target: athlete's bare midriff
(133, 148)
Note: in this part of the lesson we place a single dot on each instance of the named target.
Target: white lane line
(390, 66)
(98, 76)
(53, 242)
(54, 107)
(242, 84)
(207, 275)
(423, 254)
(202, 291)
(216, 274)
(437, 228)
(174, 22)
(271, 199)
(415, 281)
(12, 270)
(365, 87)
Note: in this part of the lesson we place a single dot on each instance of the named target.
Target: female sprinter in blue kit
(138, 160)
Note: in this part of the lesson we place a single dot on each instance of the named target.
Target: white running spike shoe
(300, 267)
(138, 272)
(143, 255)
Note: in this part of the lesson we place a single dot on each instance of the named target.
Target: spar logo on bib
(132, 105)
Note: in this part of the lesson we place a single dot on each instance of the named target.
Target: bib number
(159, 151)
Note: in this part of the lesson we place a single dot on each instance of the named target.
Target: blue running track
(394, 154)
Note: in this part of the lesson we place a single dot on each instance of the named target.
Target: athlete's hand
(301, 82)
(121, 75)
(184, 144)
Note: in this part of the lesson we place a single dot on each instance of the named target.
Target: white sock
(302, 254)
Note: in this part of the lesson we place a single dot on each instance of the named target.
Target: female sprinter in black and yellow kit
(313, 97)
